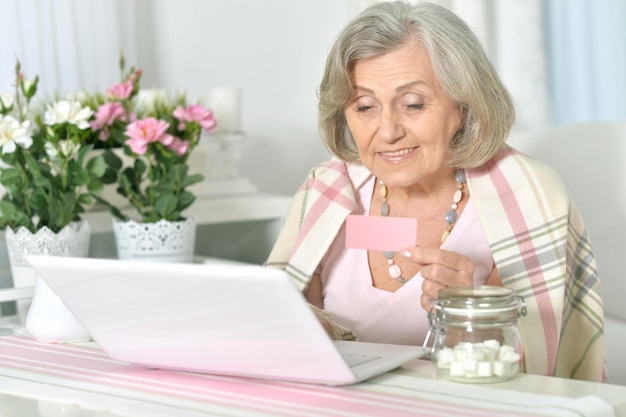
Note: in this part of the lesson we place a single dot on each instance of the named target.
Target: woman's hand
(440, 269)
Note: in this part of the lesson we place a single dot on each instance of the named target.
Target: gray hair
(459, 62)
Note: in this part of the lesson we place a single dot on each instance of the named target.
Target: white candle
(146, 98)
(226, 106)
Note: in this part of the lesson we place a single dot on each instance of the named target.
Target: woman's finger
(449, 269)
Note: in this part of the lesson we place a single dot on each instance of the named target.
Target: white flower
(68, 112)
(6, 101)
(51, 151)
(13, 133)
(68, 147)
(27, 85)
(65, 147)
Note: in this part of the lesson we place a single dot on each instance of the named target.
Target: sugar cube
(484, 369)
(477, 354)
(489, 354)
(491, 343)
(501, 368)
(456, 369)
(445, 357)
(470, 365)
(460, 353)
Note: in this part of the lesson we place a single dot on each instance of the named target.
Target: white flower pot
(48, 319)
(162, 241)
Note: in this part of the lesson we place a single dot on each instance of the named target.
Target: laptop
(228, 319)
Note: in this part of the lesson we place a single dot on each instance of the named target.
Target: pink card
(380, 233)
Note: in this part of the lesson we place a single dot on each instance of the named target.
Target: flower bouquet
(157, 138)
(49, 179)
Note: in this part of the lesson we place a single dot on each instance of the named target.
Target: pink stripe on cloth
(77, 363)
(531, 261)
(328, 194)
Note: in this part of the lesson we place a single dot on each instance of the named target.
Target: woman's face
(400, 117)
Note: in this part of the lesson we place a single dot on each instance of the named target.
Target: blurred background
(564, 61)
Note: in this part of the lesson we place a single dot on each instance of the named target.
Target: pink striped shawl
(536, 235)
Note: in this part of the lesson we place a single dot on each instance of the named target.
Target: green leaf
(85, 199)
(166, 205)
(140, 167)
(185, 200)
(80, 178)
(82, 153)
(96, 166)
(14, 216)
(109, 176)
(126, 185)
(32, 165)
(112, 160)
(95, 186)
(8, 209)
(38, 201)
(41, 181)
(9, 175)
(193, 179)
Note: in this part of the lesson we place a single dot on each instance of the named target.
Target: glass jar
(475, 334)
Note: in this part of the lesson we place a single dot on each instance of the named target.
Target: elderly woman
(416, 118)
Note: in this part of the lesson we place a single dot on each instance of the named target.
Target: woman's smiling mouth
(396, 156)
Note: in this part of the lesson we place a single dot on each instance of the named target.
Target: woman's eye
(361, 109)
(415, 106)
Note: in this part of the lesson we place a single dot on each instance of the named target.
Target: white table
(43, 380)
(213, 210)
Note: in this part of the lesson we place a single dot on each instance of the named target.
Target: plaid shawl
(536, 235)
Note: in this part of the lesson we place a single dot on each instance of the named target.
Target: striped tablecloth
(85, 375)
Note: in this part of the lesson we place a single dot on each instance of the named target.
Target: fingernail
(405, 253)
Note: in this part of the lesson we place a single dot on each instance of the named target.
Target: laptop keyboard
(354, 359)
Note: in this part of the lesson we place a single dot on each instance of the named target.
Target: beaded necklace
(450, 217)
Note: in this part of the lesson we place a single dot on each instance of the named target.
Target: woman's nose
(390, 128)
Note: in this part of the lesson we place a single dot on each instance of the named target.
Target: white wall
(274, 50)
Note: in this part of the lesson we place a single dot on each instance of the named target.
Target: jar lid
(484, 298)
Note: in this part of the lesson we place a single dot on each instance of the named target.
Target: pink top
(376, 315)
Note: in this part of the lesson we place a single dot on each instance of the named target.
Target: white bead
(458, 194)
(394, 271)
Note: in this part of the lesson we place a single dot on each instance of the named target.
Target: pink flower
(135, 76)
(104, 134)
(143, 132)
(195, 113)
(120, 91)
(166, 139)
(179, 146)
(107, 114)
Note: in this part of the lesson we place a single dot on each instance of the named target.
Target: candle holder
(222, 176)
